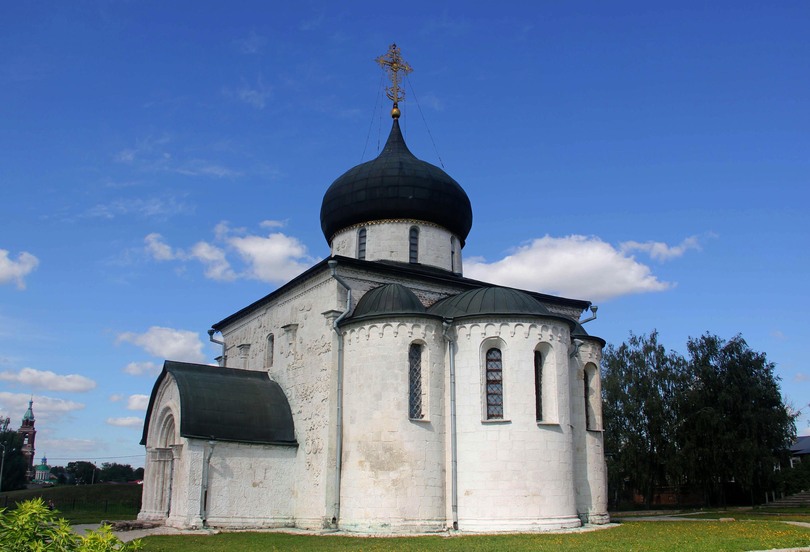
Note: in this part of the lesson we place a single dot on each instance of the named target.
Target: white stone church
(381, 390)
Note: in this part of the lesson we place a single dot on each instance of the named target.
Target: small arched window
(590, 377)
(268, 353)
(415, 382)
(453, 254)
(413, 241)
(538, 385)
(587, 387)
(361, 244)
(494, 389)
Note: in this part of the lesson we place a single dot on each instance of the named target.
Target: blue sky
(163, 165)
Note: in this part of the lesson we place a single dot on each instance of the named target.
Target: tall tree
(735, 426)
(640, 382)
(15, 465)
(119, 473)
(83, 473)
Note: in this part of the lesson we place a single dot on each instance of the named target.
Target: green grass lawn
(635, 536)
(751, 515)
(84, 503)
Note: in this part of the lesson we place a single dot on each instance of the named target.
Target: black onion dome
(388, 300)
(396, 185)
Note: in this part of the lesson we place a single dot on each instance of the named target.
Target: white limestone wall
(303, 364)
(389, 240)
(251, 485)
(514, 474)
(393, 467)
(589, 454)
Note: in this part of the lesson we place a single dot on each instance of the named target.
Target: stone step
(796, 500)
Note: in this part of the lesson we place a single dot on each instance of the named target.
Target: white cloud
(157, 248)
(69, 447)
(127, 421)
(125, 156)
(154, 207)
(148, 146)
(138, 402)
(572, 266)
(800, 377)
(273, 223)
(252, 44)
(142, 368)
(660, 251)
(202, 167)
(14, 405)
(169, 343)
(255, 95)
(116, 397)
(45, 379)
(211, 256)
(275, 258)
(16, 271)
(217, 266)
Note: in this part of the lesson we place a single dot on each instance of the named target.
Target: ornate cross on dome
(393, 63)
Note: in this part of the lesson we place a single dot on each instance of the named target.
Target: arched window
(453, 254)
(586, 377)
(494, 376)
(591, 385)
(415, 382)
(361, 244)
(268, 353)
(538, 385)
(414, 245)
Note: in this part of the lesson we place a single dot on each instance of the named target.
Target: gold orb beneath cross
(395, 113)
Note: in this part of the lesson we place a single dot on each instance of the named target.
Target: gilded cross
(393, 64)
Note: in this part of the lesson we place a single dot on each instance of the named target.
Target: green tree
(735, 426)
(640, 383)
(60, 473)
(83, 473)
(15, 464)
(119, 473)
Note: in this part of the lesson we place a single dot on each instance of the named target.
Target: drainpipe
(594, 308)
(207, 453)
(339, 445)
(446, 325)
(211, 333)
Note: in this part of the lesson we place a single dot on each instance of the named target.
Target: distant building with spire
(28, 434)
(43, 471)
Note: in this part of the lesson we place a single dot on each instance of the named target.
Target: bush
(796, 479)
(34, 527)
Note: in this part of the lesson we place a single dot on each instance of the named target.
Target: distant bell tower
(28, 435)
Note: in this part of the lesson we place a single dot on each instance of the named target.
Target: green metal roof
(225, 404)
(494, 300)
(580, 333)
(29, 414)
(387, 300)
